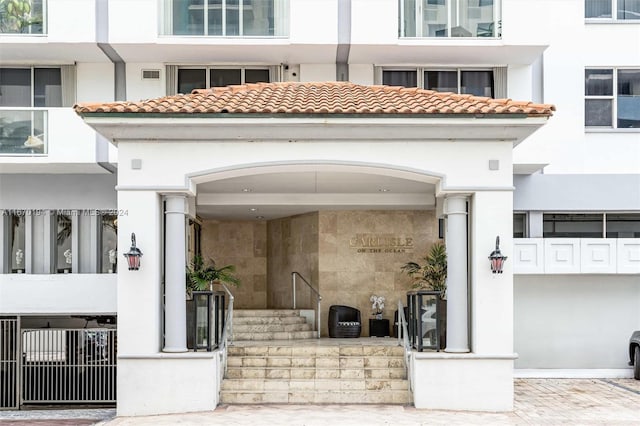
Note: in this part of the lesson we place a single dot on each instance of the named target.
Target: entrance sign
(383, 243)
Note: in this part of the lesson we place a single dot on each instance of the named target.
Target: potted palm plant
(432, 275)
(201, 277)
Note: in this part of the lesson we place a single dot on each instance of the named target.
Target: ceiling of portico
(273, 195)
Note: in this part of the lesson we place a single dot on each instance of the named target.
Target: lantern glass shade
(497, 259)
(133, 255)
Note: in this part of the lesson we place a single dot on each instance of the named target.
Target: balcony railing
(23, 17)
(576, 255)
(226, 18)
(449, 18)
(23, 131)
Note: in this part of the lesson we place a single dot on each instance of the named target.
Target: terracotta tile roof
(319, 98)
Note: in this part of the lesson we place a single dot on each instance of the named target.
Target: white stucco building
(560, 188)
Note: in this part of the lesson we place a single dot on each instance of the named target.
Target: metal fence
(9, 377)
(68, 366)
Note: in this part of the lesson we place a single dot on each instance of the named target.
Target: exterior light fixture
(133, 255)
(497, 259)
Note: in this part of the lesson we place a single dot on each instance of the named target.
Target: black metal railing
(426, 320)
(205, 320)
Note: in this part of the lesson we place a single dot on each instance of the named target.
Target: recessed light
(246, 190)
(259, 217)
(253, 209)
(384, 189)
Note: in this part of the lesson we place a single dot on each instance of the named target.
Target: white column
(175, 337)
(457, 290)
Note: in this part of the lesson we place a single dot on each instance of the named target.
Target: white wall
(317, 72)
(575, 322)
(167, 383)
(137, 88)
(25, 294)
(133, 21)
(71, 21)
(313, 21)
(95, 82)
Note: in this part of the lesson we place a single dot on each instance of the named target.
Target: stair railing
(227, 335)
(295, 274)
(403, 340)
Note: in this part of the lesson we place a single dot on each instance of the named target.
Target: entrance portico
(191, 155)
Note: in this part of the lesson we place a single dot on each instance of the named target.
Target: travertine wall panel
(243, 244)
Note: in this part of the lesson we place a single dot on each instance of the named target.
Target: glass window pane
(15, 87)
(598, 82)
(519, 225)
(256, 76)
(64, 255)
(441, 81)
(472, 18)
(409, 18)
(628, 9)
(434, 18)
(215, 17)
(598, 112)
(623, 225)
(189, 79)
(47, 87)
(233, 17)
(597, 8)
(109, 243)
(400, 78)
(479, 83)
(221, 78)
(573, 225)
(188, 17)
(17, 242)
(629, 98)
(257, 17)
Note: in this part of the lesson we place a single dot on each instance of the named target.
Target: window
(108, 243)
(63, 257)
(202, 78)
(572, 225)
(520, 225)
(17, 242)
(612, 98)
(623, 225)
(252, 18)
(473, 82)
(448, 18)
(23, 128)
(28, 18)
(608, 9)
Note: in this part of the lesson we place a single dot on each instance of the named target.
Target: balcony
(226, 18)
(23, 131)
(576, 256)
(23, 17)
(449, 19)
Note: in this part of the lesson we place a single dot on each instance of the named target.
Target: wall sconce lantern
(497, 259)
(133, 255)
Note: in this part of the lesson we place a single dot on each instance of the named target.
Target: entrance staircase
(270, 361)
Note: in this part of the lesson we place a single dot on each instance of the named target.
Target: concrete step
(316, 396)
(282, 335)
(268, 320)
(237, 313)
(314, 373)
(314, 384)
(270, 328)
(315, 350)
(313, 362)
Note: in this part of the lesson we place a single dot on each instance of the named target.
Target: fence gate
(9, 377)
(68, 366)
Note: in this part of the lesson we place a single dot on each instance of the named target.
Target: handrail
(404, 332)
(227, 334)
(319, 298)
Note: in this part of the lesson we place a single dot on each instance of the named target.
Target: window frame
(32, 77)
(614, 16)
(420, 80)
(614, 107)
(208, 69)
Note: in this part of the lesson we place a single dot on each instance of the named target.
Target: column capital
(455, 204)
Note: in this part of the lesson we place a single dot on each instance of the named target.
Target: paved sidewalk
(537, 402)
